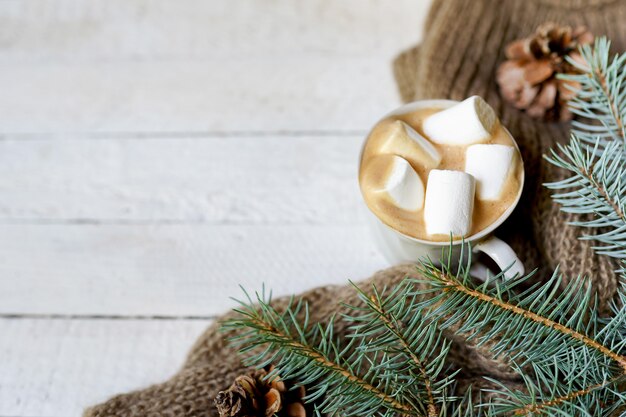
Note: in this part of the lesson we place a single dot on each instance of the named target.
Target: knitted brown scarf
(462, 47)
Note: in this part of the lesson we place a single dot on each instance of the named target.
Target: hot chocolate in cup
(401, 235)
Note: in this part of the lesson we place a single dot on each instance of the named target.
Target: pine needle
(595, 157)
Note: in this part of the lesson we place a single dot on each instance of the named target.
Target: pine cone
(528, 78)
(252, 395)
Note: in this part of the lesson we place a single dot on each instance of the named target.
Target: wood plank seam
(88, 221)
(191, 134)
(29, 316)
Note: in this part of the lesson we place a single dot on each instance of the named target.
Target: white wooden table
(156, 154)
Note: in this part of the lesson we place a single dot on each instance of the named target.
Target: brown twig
(614, 111)
(534, 408)
(605, 195)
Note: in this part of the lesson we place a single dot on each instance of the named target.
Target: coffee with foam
(487, 181)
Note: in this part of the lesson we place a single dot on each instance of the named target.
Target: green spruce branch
(554, 403)
(569, 357)
(595, 157)
(359, 378)
(387, 322)
(597, 187)
(396, 329)
(600, 100)
(515, 313)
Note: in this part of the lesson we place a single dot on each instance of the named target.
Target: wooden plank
(68, 31)
(171, 270)
(55, 368)
(230, 204)
(291, 94)
(244, 180)
(222, 66)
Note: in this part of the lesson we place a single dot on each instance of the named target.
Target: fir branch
(316, 356)
(596, 155)
(575, 355)
(396, 351)
(349, 378)
(395, 354)
(600, 98)
(540, 408)
(548, 395)
(451, 283)
(596, 187)
(393, 315)
(394, 328)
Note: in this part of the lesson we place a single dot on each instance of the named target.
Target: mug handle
(502, 255)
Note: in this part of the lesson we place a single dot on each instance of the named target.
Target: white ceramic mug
(398, 248)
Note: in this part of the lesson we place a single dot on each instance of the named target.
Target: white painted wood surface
(155, 154)
(269, 179)
(62, 366)
(192, 65)
(171, 270)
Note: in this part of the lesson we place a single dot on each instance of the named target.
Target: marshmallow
(404, 141)
(449, 203)
(403, 185)
(467, 122)
(490, 166)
